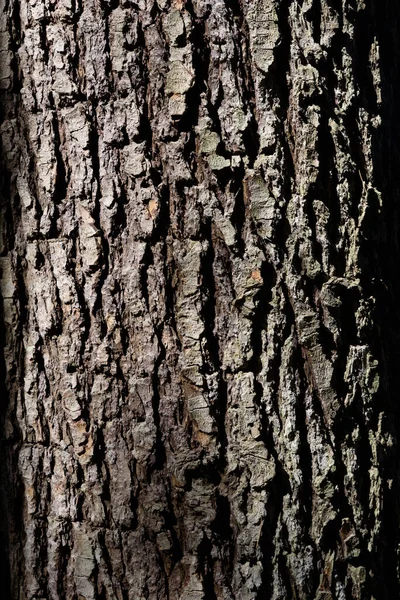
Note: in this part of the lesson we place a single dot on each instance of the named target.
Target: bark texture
(199, 277)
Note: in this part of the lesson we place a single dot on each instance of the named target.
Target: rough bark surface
(199, 256)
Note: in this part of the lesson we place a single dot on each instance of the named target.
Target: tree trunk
(199, 255)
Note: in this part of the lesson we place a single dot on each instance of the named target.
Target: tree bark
(200, 296)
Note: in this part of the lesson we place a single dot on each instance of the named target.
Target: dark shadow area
(380, 261)
(10, 491)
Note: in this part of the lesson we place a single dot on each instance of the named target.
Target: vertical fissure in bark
(278, 488)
